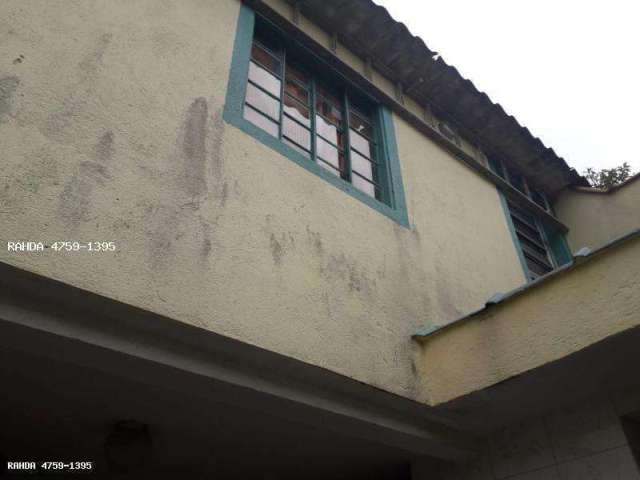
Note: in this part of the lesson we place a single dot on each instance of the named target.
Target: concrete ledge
(594, 298)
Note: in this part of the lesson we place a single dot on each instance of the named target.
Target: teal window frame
(554, 240)
(520, 183)
(392, 203)
(533, 233)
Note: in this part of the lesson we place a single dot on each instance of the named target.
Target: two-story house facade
(273, 239)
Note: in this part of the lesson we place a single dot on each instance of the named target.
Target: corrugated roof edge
(577, 178)
(512, 134)
(583, 255)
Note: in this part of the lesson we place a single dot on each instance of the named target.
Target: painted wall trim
(236, 90)
(389, 143)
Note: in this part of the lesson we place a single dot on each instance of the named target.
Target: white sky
(569, 70)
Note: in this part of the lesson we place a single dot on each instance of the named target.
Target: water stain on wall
(197, 178)
(315, 239)
(277, 250)
(103, 150)
(8, 86)
(71, 111)
(33, 171)
(75, 200)
(91, 61)
(194, 151)
(338, 268)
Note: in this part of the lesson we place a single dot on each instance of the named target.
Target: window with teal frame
(541, 247)
(285, 96)
(532, 242)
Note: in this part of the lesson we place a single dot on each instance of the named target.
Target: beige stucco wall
(597, 218)
(563, 315)
(111, 129)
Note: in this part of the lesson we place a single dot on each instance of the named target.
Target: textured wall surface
(597, 218)
(581, 442)
(111, 129)
(563, 315)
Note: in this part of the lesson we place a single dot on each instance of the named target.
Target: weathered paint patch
(8, 86)
(206, 244)
(103, 150)
(208, 227)
(197, 178)
(316, 241)
(75, 201)
(91, 61)
(31, 173)
(277, 250)
(340, 268)
(194, 151)
(61, 125)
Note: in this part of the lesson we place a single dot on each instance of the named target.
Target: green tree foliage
(608, 177)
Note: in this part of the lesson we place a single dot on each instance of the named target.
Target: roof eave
(369, 31)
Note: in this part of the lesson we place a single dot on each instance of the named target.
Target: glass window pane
(265, 79)
(496, 167)
(328, 94)
(297, 111)
(361, 165)
(535, 267)
(297, 75)
(360, 125)
(331, 109)
(330, 168)
(538, 198)
(296, 133)
(328, 130)
(526, 230)
(364, 186)
(267, 60)
(260, 121)
(263, 102)
(360, 143)
(524, 216)
(534, 248)
(516, 180)
(298, 92)
(297, 148)
(329, 154)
